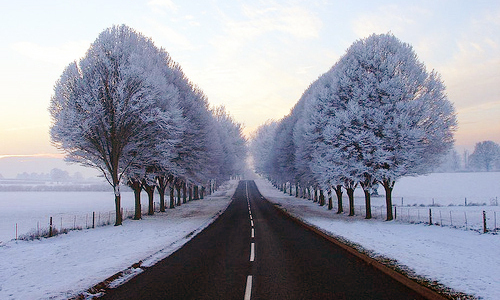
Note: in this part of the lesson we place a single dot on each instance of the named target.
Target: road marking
(251, 217)
(251, 222)
(253, 233)
(248, 290)
(252, 252)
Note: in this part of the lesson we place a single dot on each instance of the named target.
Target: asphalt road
(253, 252)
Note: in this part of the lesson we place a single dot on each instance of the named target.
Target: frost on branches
(126, 109)
(375, 116)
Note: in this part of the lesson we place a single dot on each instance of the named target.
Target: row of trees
(375, 116)
(485, 157)
(128, 110)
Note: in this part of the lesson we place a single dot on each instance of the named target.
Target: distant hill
(10, 167)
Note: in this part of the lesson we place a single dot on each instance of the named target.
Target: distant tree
(486, 156)
(77, 176)
(450, 163)
(103, 105)
(234, 149)
(284, 152)
(59, 175)
(261, 146)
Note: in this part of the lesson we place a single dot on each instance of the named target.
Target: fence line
(67, 222)
(476, 218)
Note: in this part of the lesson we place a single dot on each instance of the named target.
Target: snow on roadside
(463, 260)
(68, 264)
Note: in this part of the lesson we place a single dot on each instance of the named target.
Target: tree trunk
(150, 191)
(195, 190)
(136, 187)
(202, 192)
(321, 198)
(330, 201)
(350, 194)
(162, 186)
(178, 188)
(368, 204)
(184, 191)
(118, 208)
(190, 192)
(172, 199)
(388, 186)
(296, 191)
(315, 198)
(338, 191)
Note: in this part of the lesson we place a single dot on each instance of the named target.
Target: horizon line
(47, 155)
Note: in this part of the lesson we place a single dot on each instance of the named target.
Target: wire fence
(477, 218)
(63, 223)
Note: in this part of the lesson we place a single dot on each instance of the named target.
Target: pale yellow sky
(254, 58)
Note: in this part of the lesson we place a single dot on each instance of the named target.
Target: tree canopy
(127, 109)
(375, 116)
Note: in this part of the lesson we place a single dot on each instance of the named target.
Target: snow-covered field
(68, 264)
(445, 194)
(31, 209)
(466, 261)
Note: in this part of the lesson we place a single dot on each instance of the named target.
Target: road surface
(253, 252)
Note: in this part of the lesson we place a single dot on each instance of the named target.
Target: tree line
(127, 109)
(375, 116)
(484, 158)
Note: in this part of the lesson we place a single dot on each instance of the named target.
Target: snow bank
(463, 260)
(65, 265)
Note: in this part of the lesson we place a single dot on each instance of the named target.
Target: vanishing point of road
(254, 252)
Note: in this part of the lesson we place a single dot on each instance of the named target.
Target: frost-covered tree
(261, 145)
(486, 156)
(284, 152)
(450, 163)
(59, 175)
(104, 105)
(233, 144)
(387, 116)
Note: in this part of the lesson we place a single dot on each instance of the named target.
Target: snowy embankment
(462, 260)
(68, 264)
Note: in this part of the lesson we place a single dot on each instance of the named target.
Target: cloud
(161, 6)
(472, 75)
(58, 55)
(393, 18)
(293, 20)
(170, 36)
(47, 155)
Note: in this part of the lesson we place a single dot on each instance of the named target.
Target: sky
(254, 57)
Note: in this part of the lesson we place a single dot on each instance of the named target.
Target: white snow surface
(463, 260)
(68, 264)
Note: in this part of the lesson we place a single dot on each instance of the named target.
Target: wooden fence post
(485, 229)
(50, 227)
(430, 216)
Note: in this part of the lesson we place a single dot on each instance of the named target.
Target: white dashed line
(252, 252)
(248, 290)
